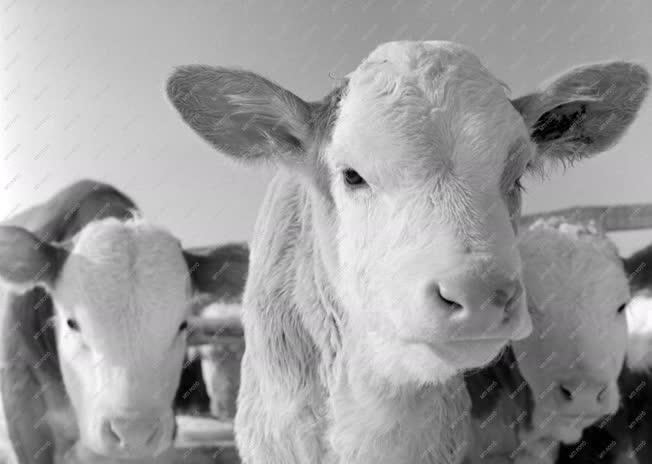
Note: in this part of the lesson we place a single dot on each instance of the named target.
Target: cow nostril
(508, 296)
(452, 305)
(566, 394)
(602, 394)
(111, 434)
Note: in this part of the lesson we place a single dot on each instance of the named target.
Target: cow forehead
(426, 105)
(570, 279)
(126, 280)
(410, 55)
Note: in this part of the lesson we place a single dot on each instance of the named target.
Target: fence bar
(203, 330)
(610, 218)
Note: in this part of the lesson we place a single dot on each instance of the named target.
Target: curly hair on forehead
(571, 227)
(583, 231)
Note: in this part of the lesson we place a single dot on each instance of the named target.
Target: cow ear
(584, 111)
(241, 113)
(26, 261)
(220, 272)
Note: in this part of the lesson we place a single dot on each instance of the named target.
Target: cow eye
(183, 326)
(73, 325)
(621, 308)
(353, 179)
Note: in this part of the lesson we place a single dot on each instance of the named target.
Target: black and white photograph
(325, 232)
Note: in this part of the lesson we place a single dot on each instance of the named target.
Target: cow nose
(490, 307)
(133, 435)
(584, 398)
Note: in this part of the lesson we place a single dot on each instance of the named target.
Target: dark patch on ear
(559, 122)
(585, 111)
(219, 271)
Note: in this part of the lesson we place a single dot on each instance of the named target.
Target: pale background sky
(81, 91)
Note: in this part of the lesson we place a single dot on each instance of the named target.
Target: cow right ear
(26, 261)
(218, 273)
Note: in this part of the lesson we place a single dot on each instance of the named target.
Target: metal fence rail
(609, 218)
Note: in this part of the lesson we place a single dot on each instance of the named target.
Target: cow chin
(566, 428)
(567, 434)
(469, 354)
(402, 362)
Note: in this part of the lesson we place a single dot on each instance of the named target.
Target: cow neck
(33, 313)
(314, 282)
(374, 422)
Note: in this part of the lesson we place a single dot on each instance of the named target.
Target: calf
(211, 376)
(384, 261)
(94, 323)
(220, 362)
(563, 377)
(627, 437)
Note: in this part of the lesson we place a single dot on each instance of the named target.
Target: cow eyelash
(72, 324)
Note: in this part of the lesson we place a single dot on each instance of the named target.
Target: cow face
(121, 293)
(577, 291)
(414, 167)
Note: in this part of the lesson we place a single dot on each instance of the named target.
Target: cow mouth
(104, 445)
(467, 353)
(578, 420)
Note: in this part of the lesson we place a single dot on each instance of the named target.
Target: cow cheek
(81, 388)
(369, 271)
(168, 376)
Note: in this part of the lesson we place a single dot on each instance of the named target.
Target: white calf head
(577, 290)
(414, 166)
(121, 294)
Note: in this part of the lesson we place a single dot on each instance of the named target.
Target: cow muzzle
(136, 436)
(477, 308)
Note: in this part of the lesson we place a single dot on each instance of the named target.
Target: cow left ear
(220, 272)
(584, 111)
(26, 261)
